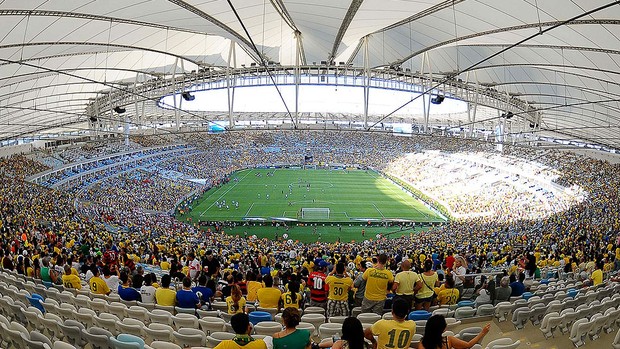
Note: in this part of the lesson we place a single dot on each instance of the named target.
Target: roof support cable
(263, 63)
(538, 14)
(518, 43)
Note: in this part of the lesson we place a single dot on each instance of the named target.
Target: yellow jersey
(231, 344)
(393, 333)
(98, 286)
(268, 297)
(252, 287)
(448, 296)
(165, 296)
(338, 287)
(231, 305)
(377, 281)
(71, 281)
(287, 301)
(597, 277)
(406, 282)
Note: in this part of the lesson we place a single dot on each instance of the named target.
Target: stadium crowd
(41, 229)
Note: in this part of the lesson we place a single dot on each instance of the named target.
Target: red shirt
(449, 262)
(318, 288)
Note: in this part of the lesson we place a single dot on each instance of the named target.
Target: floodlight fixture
(188, 96)
(437, 99)
(119, 110)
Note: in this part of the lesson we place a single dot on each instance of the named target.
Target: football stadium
(309, 174)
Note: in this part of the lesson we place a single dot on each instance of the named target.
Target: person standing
(339, 286)
(378, 282)
(429, 279)
(406, 283)
(395, 333)
(318, 288)
(360, 283)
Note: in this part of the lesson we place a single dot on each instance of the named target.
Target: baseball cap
(368, 264)
(323, 264)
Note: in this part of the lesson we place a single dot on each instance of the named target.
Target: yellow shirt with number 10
(393, 333)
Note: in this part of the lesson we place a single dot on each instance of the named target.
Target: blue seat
(419, 315)
(572, 293)
(35, 300)
(47, 284)
(259, 316)
(544, 282)
(465, 304)
(527, 295)
(127, 341)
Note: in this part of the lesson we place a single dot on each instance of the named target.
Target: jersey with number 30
(393, 334)
(338, 287)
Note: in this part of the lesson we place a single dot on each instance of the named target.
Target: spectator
(378, 280)
(360, 283)
(185, 297)
(518, 288)
(269, 296)
(430, 280)
(125, 291)
(395, 333)
(240, 323)
(292, 298)
(97, 285)
(236, 301)
(203, 292)
(317, 285)
(339, 286)
(450, 295)
(147, 291)
(503, 292)
(291, 337)
(70, 280)
(433, 336)
(164, 295)
(406, 283)
(111, 280)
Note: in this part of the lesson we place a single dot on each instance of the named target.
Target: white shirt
(460, 271)
(112, 282)
(148, 294)
(194, 268)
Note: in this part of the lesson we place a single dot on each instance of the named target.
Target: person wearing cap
(360, 283)
(395, 333)
(317, 285)
(339, 286)
(378, 282)
(240, 323)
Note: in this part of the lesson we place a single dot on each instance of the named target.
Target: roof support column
(472, 109)
(298, 54)
(231, 81)
(366, 81)
(177, 105)
(427, 83)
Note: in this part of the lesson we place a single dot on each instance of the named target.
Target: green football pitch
(268, 194)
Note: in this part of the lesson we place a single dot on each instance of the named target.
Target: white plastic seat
(452, 322)
(503, 343)
(179, 310)
(66, 311)
(328, 330)
(520, 317)
(86, 316)
(158, 332)
(212, 324)
(316, 320)
(502, 309)
(216, 338)
(267, 328)
(97, 337)
(118, 309)
(206, 313)
(485, 310)
(549, 323)
(314, 310)
(598, 321)
(81, 301)
(469, 333)
(161, 317)
(16, 334)
(164, 345)
(368, 318)
(108, 322)
(98, 305)
(464, 312)
(72, 331)
(138, 313)
(37, 340)
(190, 337)
(337, 319)
(130, 326)
(579, 331)
(32, 315)
(616, 343)
(50, 322)
(185, 321)
(568, 317)
(307, 326)
(537, 312)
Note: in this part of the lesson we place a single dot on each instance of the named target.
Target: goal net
(315, 213)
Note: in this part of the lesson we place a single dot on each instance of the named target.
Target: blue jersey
(187, 299)
(129, 293)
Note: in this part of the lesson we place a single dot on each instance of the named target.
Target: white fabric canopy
(57, 56)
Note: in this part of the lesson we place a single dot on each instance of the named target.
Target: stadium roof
(57, 57)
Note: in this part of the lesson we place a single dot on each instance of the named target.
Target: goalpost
(315, 213)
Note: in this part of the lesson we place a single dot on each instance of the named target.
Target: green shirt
(296, 340)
